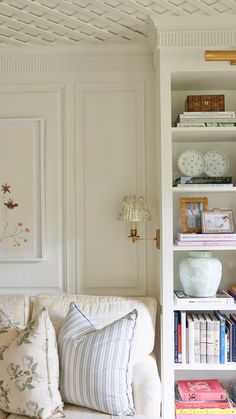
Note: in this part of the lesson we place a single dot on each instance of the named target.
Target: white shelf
(221, 134)
(205, 247)
(229, 366)
(204, 307)
(192, 189)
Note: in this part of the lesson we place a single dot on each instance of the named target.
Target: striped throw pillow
(96, 365)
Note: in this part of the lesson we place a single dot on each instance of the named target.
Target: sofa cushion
(29, 371)
(104, 310)
(77, 412)
(16, 307)
(96, 365)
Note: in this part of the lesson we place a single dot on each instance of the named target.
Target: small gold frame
(191, 223)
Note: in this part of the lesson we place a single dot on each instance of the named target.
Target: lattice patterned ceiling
(73, 22)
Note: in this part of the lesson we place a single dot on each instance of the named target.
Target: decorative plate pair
(194, 163)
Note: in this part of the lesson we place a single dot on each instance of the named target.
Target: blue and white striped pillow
(96, 365)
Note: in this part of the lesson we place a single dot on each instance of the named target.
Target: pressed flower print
(14, 233)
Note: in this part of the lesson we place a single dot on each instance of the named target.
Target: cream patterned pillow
(29, 372)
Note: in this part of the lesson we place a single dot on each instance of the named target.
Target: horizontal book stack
(202, 399)
(204, 337)
(206, 119)
(204, 239)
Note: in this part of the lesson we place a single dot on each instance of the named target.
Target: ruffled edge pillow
(96, 365)
(29, 372)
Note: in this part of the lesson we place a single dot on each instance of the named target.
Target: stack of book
(204, 239)
(203, 181)
(203, 399)
(204, 337)
(206, 119)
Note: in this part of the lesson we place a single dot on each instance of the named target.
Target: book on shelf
(210, 338)
(205, 416)
(206, 237)
(203, 339)
(202, 185)
(222, 336)
(183, 336)
(190, 339)
(201, 404)
(197, 351)
(206, 411)
(206, 114)
(191, 180)
(201, 121)
(205, 124)
(201, 390)
(206, 243)
(205, 120)
(221, 297)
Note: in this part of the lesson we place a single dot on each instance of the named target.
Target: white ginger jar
(200, 274)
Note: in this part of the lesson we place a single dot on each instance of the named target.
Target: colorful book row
(205, 338)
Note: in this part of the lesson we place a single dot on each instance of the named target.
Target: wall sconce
(221, 55)
(134, 209)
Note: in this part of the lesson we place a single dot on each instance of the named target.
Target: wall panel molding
(106, 280)
(35, 273)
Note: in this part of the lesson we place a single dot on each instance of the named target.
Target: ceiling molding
(193, 32)
(71, 63)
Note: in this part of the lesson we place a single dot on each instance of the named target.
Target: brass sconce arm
(134, 237)
(220, 55)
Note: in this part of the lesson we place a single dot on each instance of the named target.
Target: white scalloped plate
(191, 163)
(216, 163)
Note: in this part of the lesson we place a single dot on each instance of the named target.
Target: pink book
(201, 390)
(220, 416)
(206, 243)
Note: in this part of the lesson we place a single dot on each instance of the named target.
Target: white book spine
(196, 338)
(183, 336)
(210, 339)
(202, 237)
(226, 114)
(190, 339)
(203, 339)
(216, 323)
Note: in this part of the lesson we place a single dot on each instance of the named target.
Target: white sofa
(103, 310)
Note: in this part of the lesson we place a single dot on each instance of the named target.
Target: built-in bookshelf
(177, 80)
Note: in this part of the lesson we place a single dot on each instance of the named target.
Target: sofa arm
(147, 387)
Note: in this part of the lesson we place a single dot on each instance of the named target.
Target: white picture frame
(22, 224)
(217, 221)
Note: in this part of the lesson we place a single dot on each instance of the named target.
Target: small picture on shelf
(191, 209)
(217, 221)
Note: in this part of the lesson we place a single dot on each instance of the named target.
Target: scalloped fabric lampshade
(133, 208)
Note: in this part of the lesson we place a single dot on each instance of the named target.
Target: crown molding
(201, 31)
(72, 63)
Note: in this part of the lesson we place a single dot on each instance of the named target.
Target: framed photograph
(191, 209)
(21, 190)
(217, 221)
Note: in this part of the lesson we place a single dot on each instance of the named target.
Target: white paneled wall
(99, 146)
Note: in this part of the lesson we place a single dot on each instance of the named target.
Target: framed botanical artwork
(191, 209)
(217, 221)
(21, 189)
